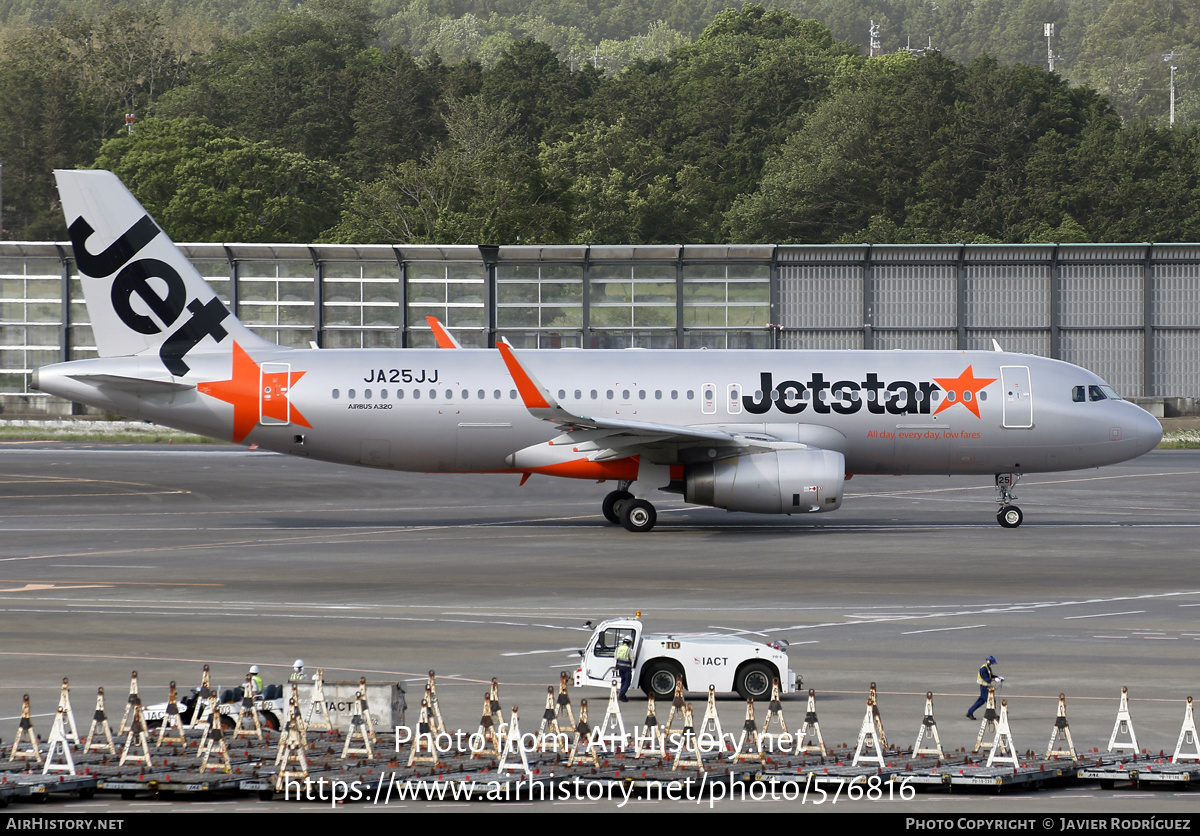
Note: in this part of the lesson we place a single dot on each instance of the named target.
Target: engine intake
(780, 482)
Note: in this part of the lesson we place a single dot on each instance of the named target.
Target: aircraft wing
(603, 439)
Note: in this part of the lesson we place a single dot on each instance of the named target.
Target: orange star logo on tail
(965, 382)
(255, 395)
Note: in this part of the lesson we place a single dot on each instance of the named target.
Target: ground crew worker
(624, 657)
(297, 671)
(256, 679)
(985, 677)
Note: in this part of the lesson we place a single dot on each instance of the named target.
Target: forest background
(609, 121)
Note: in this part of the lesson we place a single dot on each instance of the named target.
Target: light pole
(1170, 59)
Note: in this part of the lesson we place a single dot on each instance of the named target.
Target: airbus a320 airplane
(771, 432)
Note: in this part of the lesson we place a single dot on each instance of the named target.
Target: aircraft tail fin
(143, 295)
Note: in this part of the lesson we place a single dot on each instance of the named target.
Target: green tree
(49, 122)
(291, 82)
(203, 184)
(542, 90)
(748, 82)
(976, 184)
(397, 113)
(856, 160)
(620, 186)
(484, 186)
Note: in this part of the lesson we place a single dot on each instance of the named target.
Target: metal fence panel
(1176, 365)
(1101, 295)
(1007, 296)
(915, 296)
(1118, 356)
(821, 296)
(1130, 312)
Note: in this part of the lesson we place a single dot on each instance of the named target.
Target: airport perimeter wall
(1129, 312)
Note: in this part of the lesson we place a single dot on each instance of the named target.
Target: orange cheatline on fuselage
(625, 469)
(617, 469)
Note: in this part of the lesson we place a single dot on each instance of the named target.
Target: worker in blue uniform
(985, 678)
(624, 658)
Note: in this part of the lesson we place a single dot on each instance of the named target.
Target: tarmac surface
(161, 558)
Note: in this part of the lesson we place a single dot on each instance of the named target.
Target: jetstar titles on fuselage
(846, 397)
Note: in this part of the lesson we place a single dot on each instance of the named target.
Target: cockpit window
(1111, 392)
(1095, 393)
(1079, 394)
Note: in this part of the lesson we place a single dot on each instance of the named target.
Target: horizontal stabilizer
(139, 385)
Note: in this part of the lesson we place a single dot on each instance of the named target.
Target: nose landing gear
(1009, 515)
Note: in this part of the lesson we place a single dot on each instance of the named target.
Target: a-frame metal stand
(1123, 728)
(928, 726)
(1003, 749)
(1063, 729)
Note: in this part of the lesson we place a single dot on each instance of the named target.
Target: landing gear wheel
(638, 515)
(659, 680)
(754, 681)
(612, 505)
(1010, 516)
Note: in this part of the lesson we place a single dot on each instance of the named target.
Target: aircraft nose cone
(1149, 431)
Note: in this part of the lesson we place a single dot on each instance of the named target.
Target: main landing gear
(1009, 515)
(622, 508)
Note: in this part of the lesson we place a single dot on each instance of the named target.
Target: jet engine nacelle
(780, 482)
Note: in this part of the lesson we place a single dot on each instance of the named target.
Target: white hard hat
(299, 663)
(254, 669)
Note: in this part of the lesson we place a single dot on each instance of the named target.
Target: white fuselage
(459, 410)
